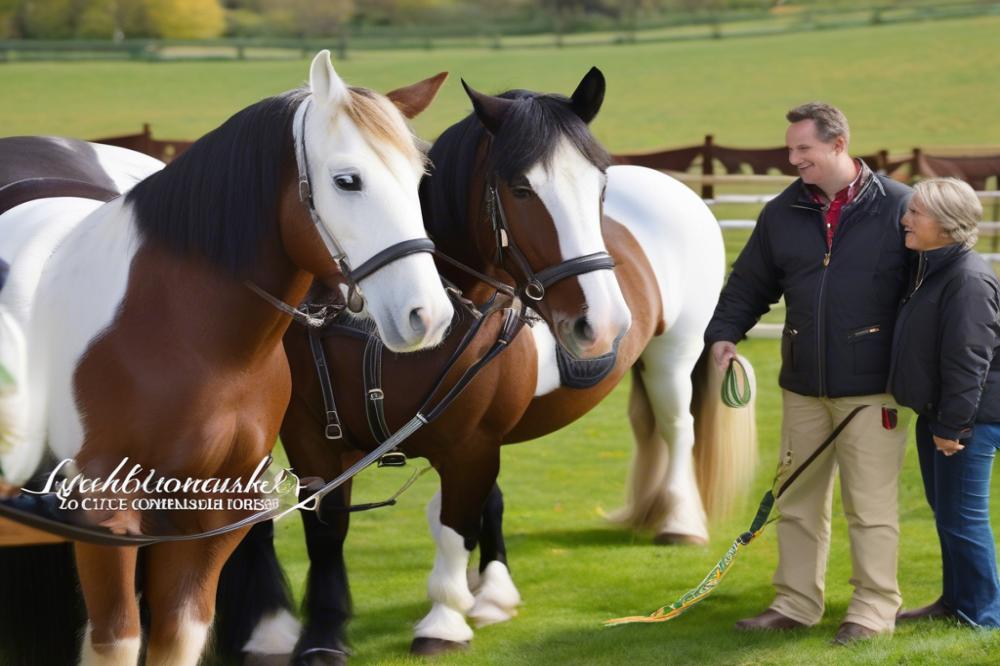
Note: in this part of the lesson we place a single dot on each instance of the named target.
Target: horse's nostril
(583, 331)
(418, 321)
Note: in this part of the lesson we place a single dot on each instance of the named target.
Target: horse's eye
(349, 182)
(522, 191)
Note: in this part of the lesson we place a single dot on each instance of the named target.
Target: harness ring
(534, 290)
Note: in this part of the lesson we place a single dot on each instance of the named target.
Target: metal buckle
(334, 431)
(393, 459)
(305, 192)
(376, 394)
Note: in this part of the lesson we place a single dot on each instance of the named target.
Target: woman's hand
(949, 447)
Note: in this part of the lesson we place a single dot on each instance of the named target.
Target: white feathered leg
(447, 587)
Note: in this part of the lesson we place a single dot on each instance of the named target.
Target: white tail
(725, 452)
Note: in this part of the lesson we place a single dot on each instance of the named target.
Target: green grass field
(929, 83)
(918, 84)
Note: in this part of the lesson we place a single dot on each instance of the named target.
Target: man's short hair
(830, 121)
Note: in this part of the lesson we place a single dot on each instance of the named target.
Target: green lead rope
(760, 521)
(732, 381)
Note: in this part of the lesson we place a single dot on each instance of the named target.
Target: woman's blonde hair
(954, 204)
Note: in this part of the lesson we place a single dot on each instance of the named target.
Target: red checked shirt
(834, 208)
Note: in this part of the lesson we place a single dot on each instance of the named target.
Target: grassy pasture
(916, 84)
(926, 83)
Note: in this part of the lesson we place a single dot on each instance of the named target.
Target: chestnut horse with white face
(149, 325)
(624, 266)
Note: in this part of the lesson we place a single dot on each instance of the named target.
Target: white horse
(132, 328)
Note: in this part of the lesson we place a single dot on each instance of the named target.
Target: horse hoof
(426, 646)
(674, 539)
(321, 657)
(257, 659)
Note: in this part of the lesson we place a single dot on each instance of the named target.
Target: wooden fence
(709, 164)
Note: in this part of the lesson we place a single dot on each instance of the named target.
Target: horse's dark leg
(41, 611)
(455, 516)
(328, 597)
(254, 610)
(496, 596)
(491, 544)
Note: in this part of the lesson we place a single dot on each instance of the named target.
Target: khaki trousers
(869, 458)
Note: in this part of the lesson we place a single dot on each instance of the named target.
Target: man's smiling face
(814, 158)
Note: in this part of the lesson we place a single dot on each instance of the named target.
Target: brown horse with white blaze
(151, 325)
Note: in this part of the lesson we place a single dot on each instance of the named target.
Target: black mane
(530, 133)
(219, 199)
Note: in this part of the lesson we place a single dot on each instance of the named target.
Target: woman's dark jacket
(944, 362)
(839, 309)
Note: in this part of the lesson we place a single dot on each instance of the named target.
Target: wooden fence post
(707, 169)
(883, 160)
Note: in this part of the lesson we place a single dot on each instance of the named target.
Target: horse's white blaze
(275, 634)
(496, 596)
(570, 188)
(545, 351)
(384, 212)
(123, 652)
(447, 587)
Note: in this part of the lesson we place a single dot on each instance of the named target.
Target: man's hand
(949, 447)
(723, 352)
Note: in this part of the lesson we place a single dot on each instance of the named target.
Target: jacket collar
(869, 186)
(935, 260)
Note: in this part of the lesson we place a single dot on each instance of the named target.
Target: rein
(761, 520)
(732, 396)
(513, 322)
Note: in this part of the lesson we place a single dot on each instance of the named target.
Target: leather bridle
(532, 284)
(353, 276)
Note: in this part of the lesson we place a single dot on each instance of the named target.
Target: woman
(945, 367)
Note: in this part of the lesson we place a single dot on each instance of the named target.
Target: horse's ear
(326, 85)
(413, 99)
(490, 110)
(589, 95)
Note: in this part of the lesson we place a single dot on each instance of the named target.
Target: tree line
(203, 19)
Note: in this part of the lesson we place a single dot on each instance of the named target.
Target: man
(832, 244)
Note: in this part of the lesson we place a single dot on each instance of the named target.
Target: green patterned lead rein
(732, 394)
(760, 521)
